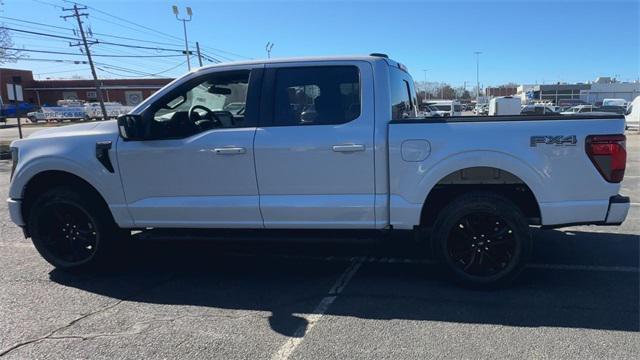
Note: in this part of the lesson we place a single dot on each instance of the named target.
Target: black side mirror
(131, 127)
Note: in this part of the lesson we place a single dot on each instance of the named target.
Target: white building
(607, 88)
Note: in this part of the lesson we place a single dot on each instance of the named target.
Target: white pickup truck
(320, 143)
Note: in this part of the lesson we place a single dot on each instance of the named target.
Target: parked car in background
(481, 109)
(35, 116)
(446, 107)
(615, 102)
(567, 103)
(180, 166)
(592, 110)
(538, 109)
(632, 118)
(616, 109)
(505, 105)
(428, 111)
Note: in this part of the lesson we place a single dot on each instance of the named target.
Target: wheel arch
(480, 178)
(514, 174)
(47, 179)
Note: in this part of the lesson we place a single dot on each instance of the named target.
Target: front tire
(72, 229)
(483, 240)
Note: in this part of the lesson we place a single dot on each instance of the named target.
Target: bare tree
(6, 43)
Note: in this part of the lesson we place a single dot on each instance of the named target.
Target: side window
(401, 105)
(325, 95)
(209, 102)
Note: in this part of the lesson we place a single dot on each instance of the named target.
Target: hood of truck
(86, 129)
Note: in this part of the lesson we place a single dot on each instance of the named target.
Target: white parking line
(288, 347)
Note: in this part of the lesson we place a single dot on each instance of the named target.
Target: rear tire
(73, 229)
(483, 239)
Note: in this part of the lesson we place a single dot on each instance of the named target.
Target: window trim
(268, 101)
(252, 110)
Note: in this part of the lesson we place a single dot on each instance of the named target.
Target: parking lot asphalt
(579, 298)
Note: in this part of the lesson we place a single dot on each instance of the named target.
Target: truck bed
(567, 186)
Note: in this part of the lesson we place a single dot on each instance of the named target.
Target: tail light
(608, 155)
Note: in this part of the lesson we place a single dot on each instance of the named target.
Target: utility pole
(268, 47)
(477, 74)
(199, 55)
(77, 15)
(184, 26)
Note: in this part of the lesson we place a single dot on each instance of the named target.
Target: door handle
(230, 150)
(348, 148)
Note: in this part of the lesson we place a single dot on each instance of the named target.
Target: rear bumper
(618, 209)
(613, 212)
(15, 211)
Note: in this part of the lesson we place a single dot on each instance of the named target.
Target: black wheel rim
(68, 233)
(481, 244)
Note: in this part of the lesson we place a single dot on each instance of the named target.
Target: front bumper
(618, 209)
(15, 211)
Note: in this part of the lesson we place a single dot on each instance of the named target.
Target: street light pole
(425, 84)
(477, 74)
(184, 26)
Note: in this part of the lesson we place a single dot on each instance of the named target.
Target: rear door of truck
(314, 147)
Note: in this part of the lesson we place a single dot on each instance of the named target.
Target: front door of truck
(197, 169)
(314, 146)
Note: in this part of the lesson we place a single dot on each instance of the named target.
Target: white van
(505, 105)
(614, 102)
(446, 107)
(633, 114)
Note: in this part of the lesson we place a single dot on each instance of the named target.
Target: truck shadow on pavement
(288, 280)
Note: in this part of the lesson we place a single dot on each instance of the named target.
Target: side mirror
(131, 127)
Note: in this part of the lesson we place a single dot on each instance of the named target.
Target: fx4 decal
(557, 140)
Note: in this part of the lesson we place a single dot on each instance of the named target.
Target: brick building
(500, 91)
(41, 92)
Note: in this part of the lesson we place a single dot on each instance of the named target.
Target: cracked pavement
(245, 300)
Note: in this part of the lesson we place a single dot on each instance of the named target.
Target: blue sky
(522, 42)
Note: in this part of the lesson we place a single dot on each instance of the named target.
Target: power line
(41, 34)
(120, 68)
(48, 3)
(126, 21)
(36, 23)
(59, 72)
(93, 32)
(56, 60)
(154, 31)
(96, 41)
(203, 47)
(102, 55)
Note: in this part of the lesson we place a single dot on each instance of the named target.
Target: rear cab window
(402, 95)
(316, 95)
